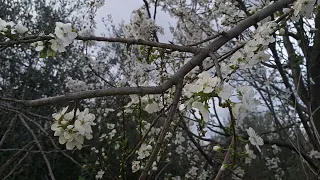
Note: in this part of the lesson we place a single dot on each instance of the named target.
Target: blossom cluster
(314, 154)
(143, 152)
(304, 8)
(253, 51)
(205, 83)
(151, 102)
(72, 127)
(141, 26)
(76, 85)
(11, 27)
(63, 37)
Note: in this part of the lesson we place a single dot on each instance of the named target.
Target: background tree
(127, 106)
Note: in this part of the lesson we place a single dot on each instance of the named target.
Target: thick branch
(292, 96)
(32, 39)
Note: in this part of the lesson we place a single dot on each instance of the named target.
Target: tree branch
(39, 146)
(13, 120)
(164, 131)
(32, 39)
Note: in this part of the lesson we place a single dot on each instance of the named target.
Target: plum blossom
(180, 149)
(154, 166)
(192, 172)
(250, 154)
(141, 26)
(39, 45)
(64, 32)
(76, 140)
(205, 83)
(75, 85)
(240, 172)
(259, 57)
(254, 138)
(84, 122)
(272, 163)
(135, 166)
(179, 138)
(247, 97)
(99, 174)
(304, 8)
(275, 149)
(152, 107)
(59, 115)
(225, 91)
(144, 151)
(57, 45)
(239, 111)
(63, 37)
(73, 127)
(314, 154)
(208, 82)
(202, 109)
(21, 29)
(4, 25)
(112, 134)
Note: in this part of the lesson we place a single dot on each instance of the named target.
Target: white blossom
(204, 112)
(179, 138)
(314, 154)
(144, 151)
(64, 33)
(217, 148)
(250, 154)
(73, 134)
(135, 166)
(57, 45)
(272, 163)
(225, 91)
(239, 171)
(21, 29)
(275, 149)
(152, 107)
(254, 138)
(99, 174)
(39, 45)
(84, 122)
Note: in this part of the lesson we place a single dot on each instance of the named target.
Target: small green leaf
(44, 53)
(51, 53)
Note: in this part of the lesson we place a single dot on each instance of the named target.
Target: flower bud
(217, 148)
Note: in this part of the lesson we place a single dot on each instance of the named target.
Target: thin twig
(17, 165)
(52, 141)
(39, 146)
(145, 136)
(13, 120)
(164, 131)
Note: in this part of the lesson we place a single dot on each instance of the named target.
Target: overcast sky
(121, 10)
